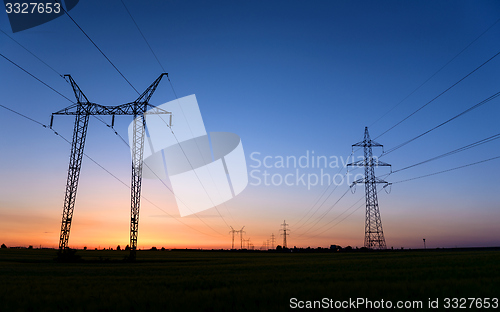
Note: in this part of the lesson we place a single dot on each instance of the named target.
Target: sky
(292, 79)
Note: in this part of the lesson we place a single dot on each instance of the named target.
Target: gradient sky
(289, 77)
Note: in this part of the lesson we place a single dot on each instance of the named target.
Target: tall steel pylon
(241, 236)
(285, 230)
(82, 110)
(232, 236)
(374, 235)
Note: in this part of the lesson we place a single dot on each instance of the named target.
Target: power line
(92, 115)
(402, 181)
(116, 70)
(319, 198)
(196, 174)
(325, 213)
(99, 165)
(406, 180)
(33, 54)
(88, 37)
(453, 58)
(361, 198)
(150, 48)
(128, 186)
(27, 72)
(449, 88)
(182, 110)
(22, 115)
(443, 123)
(448, 170)
(102, 167)
(97, 47)
(461, 149)
(161, 180)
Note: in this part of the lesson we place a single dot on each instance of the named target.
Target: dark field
(237, 281)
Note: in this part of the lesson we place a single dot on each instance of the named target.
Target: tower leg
(75, 164)
(137, 162)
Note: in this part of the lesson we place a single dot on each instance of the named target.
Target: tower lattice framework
(82, 110)
(374, 234)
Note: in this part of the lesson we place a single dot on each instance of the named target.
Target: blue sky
(286, 76)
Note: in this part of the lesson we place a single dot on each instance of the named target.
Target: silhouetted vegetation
(197, 280)
(68, 255)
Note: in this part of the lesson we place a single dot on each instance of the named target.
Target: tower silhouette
(273, 240)
(241, 236)
(285, 230)
(82, 110)
(232, 236)
(374, 235)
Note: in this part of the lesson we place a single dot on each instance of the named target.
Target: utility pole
(425, 247)
(82, 111)
(374, 235)
(232, 236)
(273, 240)
(285, 230)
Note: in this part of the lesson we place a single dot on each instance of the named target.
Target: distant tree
(118, 247)
(348, 248)
(85, 248)
(127, 247)
(279, 247)
(154, 248)
(3, 246)
(162, 248)
(30, 247)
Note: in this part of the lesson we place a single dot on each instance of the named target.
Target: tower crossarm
(374, 162)
(80, 97)
(137, 107)
(124, 109)
(146, 95)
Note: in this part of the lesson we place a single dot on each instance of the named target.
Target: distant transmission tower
(241, 237)
(374, 235)
(232, 236)
(247, 241)
(273, 240)
(82, 110)
(284, 229)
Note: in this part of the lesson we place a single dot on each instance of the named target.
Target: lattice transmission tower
(284, 230)
(374, 235)
(232, 236)
(82, 110)
(241, 237)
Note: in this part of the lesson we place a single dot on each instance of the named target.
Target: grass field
(237, 281)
